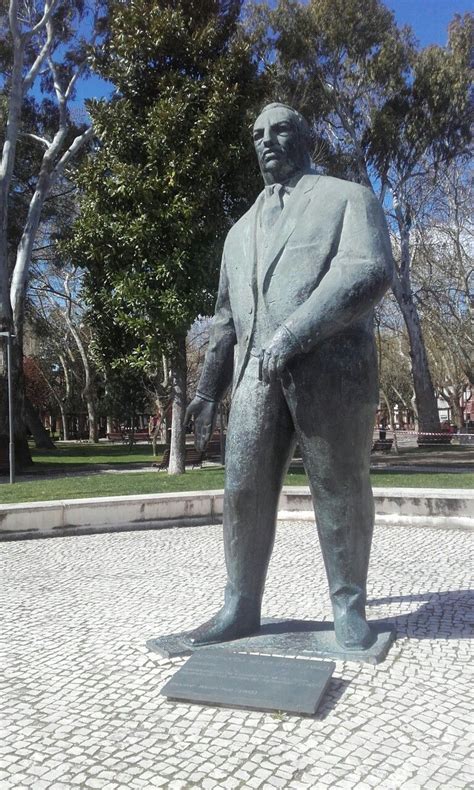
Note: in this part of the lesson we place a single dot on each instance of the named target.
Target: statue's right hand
(205, 416)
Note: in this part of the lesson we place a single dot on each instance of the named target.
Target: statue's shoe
(224, 628)
(353, 631)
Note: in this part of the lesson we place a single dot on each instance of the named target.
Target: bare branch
(38, 139)
(74, 79)
(43, 53)
(49, 7)
(73, 149)
(13, 19)
(59, 93)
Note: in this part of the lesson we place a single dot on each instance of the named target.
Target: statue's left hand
(205, 415)
(283, 347)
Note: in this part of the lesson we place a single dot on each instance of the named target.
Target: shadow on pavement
(443, 615)
(334, 692)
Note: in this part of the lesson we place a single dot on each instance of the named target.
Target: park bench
(192, 458)
(382, 445)
(213, 450)
(126, 437)
(434, 439)
(138, 436)
(116, 436)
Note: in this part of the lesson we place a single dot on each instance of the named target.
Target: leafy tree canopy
(173, 169)
(378, 102)
(384, 112)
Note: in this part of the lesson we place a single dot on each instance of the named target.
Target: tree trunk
(61, 404)
(457, 414)
(426, 405)
(88, 392)
(415, 413)
(42, 438)
(454, 399)
(391, 421)
(64, 402)
(22, 451)
(6, 173)
(91, 415)
(64, 421)
(178, 394)
(157, 430)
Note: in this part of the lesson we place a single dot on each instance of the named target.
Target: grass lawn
(81, 486)
(80, 454)
(84, 454)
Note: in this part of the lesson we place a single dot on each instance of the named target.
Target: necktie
(272, 207)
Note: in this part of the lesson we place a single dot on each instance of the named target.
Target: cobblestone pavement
(80, 698)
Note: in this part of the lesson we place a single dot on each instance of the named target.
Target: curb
(449, 508)
(435, 508)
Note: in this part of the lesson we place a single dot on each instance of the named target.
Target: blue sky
(429, 20)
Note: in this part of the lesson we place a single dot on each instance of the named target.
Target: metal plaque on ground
(243, 680)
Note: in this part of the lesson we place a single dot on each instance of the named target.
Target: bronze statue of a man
(301, 273)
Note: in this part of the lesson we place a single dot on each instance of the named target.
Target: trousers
(331, 416)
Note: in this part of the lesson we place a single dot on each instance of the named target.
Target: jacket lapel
(250, 245)
(286, 224)
(247, 263)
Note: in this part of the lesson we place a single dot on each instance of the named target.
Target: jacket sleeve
(217, 372)
(358, 275)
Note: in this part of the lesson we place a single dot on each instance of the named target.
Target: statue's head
(282, 141)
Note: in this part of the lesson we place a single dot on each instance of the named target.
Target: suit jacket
(327, 263)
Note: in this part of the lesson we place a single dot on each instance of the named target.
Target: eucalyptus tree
(445, 283)
(174, 168)
(44, 54)
(47, 387)
(56, 298)
(445, 267)
(384, 112)
(396, 383)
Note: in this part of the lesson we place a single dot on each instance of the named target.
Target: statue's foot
(225, 627)
(353, 631)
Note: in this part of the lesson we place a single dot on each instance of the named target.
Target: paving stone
(80, 703)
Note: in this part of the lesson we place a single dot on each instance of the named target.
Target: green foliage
(431, 113)
(384, 113)
(376, 101)
(173, 169)
(40, 114)
(125, 395)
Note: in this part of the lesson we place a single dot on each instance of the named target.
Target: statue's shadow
(442, 615)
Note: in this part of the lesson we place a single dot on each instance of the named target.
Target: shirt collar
(288, 186)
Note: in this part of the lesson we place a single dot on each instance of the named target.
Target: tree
(383, 111)
(448, 373)
(444, 283)
(125, 396)
(174, 168)
(43, 50)
(57, 300)
(444, 265)
(395, 380)
(38, 396)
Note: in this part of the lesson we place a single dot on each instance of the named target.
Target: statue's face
(277, 144)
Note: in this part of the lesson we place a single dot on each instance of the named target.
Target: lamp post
(11, 448)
